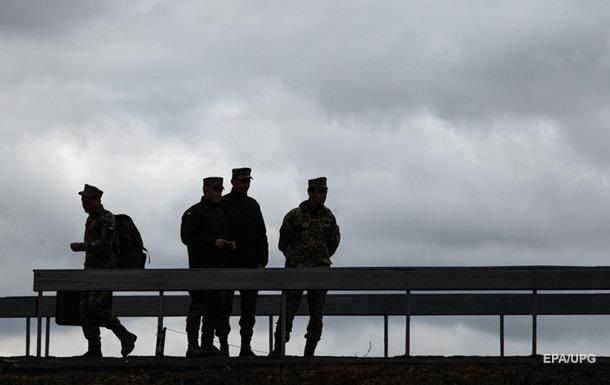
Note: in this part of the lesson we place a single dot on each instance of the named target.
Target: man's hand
(77, 246)
(222, 243)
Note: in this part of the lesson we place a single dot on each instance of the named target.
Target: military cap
(317, 183)
(241, 173)
(213, 181)
(91, 192)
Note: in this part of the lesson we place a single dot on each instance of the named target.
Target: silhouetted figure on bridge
(205, 232)
(248, 229)
(309, 236)
(100, 247)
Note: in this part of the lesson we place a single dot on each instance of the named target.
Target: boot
(193, 349)
(128, 343)
(310, 348)
(128, 340)
(275, 353)
(94, 350)
(224, 344)
(246, 350)
(207, 345)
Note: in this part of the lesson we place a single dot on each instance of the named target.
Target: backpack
(131, 250)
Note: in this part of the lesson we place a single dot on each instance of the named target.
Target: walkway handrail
(342, 278)
(346, 305)
(407, 279)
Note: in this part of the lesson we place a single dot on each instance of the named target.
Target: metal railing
(530, 279)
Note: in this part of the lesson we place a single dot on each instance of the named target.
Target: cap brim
(88, 195)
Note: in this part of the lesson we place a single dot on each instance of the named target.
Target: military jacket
(202, 224)
(248, 229)
(101, 240)
(309, 236)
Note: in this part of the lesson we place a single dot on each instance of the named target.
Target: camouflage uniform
(309, 236)
(95, 307)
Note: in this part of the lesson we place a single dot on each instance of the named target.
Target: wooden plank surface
(348, 305)
(392, 278)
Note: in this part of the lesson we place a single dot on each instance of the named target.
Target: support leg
(534, 322)
(283, 325)
(502, 335)
(385, 336)
(39, 324)
(47, 339)
(160, 329)
(27, 336)
(408, 324)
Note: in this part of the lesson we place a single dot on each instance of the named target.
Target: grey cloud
(42, 17)
(381, 63)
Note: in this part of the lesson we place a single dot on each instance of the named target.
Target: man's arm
(191, 233)
(286, 232)
(334, 237)
(262, 245)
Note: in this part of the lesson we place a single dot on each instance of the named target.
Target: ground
(296, 370)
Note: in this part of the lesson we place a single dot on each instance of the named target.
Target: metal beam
(346, 305)
(394, 278)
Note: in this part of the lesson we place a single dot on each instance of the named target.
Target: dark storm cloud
(39, 17)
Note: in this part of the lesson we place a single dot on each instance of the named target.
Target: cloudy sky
(452, 133)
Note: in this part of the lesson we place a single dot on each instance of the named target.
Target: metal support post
(27, 336)
(47, 336)
(385, 336)
(270, 333)
(283, 325)
(502, 335)
(408, 324)
(534, 322)
(160, 329)
(39, 324)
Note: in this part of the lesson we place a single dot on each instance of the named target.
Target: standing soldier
(248, 227)
(205, 232)
(95, 307)
(309, 236)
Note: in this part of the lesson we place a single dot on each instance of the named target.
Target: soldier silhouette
(100, 243)
(309, 236)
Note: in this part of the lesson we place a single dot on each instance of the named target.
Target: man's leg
(91, 330)
(293, 299)
(211, 321)
(193, 321)
(225, 322)
(247, 320)
(315, 300)
(100, 303)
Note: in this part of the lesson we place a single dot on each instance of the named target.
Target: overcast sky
(451, 132)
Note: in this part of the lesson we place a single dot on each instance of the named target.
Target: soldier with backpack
(100, 245)
(131, 250)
